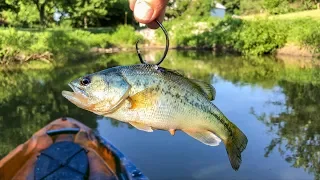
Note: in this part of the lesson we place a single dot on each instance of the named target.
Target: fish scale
(150, 97)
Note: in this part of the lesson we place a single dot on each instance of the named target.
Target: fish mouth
(75, 90)
(77, 97)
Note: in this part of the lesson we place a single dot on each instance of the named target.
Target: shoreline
(288, 50)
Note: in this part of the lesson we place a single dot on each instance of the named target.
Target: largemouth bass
(150, 97)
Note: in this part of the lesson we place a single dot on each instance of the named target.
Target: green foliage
(254, 37)
(276, 6)
(4, 5)
(261, 37)
(186, 32)
(26, 16)
(83, 12)
(27, 13)
(313, 39)
(251, 7)
(199, 8)
(16, 45)
(233, 6)
(125, 36)
(118, 13)
(309, 4)
(177, 7)
(305, 32)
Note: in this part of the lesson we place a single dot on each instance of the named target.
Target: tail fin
(235, 144)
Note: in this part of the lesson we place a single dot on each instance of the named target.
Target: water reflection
(297, 127)
(280, 93)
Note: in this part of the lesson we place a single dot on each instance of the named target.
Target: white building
(218, 11)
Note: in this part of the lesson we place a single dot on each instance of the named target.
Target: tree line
(76, 13)
(96, 13)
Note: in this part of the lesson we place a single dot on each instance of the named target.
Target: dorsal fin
(207, 88)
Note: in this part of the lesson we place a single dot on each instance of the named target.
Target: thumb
(146, 11)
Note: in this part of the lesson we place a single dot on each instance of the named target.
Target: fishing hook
(165, 51)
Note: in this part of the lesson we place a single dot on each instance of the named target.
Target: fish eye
(85, 81)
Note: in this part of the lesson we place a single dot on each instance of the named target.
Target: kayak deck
(67, 148)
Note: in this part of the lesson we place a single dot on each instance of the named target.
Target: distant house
(218, 11)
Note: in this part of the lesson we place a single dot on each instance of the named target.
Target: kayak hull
(104, 160)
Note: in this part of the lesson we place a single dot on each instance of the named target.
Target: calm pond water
(275, 102)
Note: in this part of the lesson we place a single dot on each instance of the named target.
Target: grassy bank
(257, 36)
(23, 45)
(315, 14)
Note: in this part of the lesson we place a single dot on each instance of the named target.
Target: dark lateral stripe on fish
(200, 106)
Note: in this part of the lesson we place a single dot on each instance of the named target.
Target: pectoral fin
(204, 136)
(141, 127)
(144, 99)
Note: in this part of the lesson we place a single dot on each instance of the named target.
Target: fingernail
(143, 10)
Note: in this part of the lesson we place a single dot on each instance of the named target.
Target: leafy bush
(253, 37)
(125, 36)
(26, 17)
(261, 37)
(61, 43)
(251, 7)
(305, 32)
(313, 39)
(188, 32)
(277, 6)
(199, 8)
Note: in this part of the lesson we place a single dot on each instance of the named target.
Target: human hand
(147, 11)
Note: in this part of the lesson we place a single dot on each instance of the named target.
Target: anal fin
(204, 136)
(141, 126)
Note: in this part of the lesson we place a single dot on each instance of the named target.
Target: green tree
(4, 5)
(118, 13)
(251, 6)
(199, 8)
(26, 12)
(20, 13)
(233, 6)
(41, 6)
(276, 6)
(84, 12)
(176, 8)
